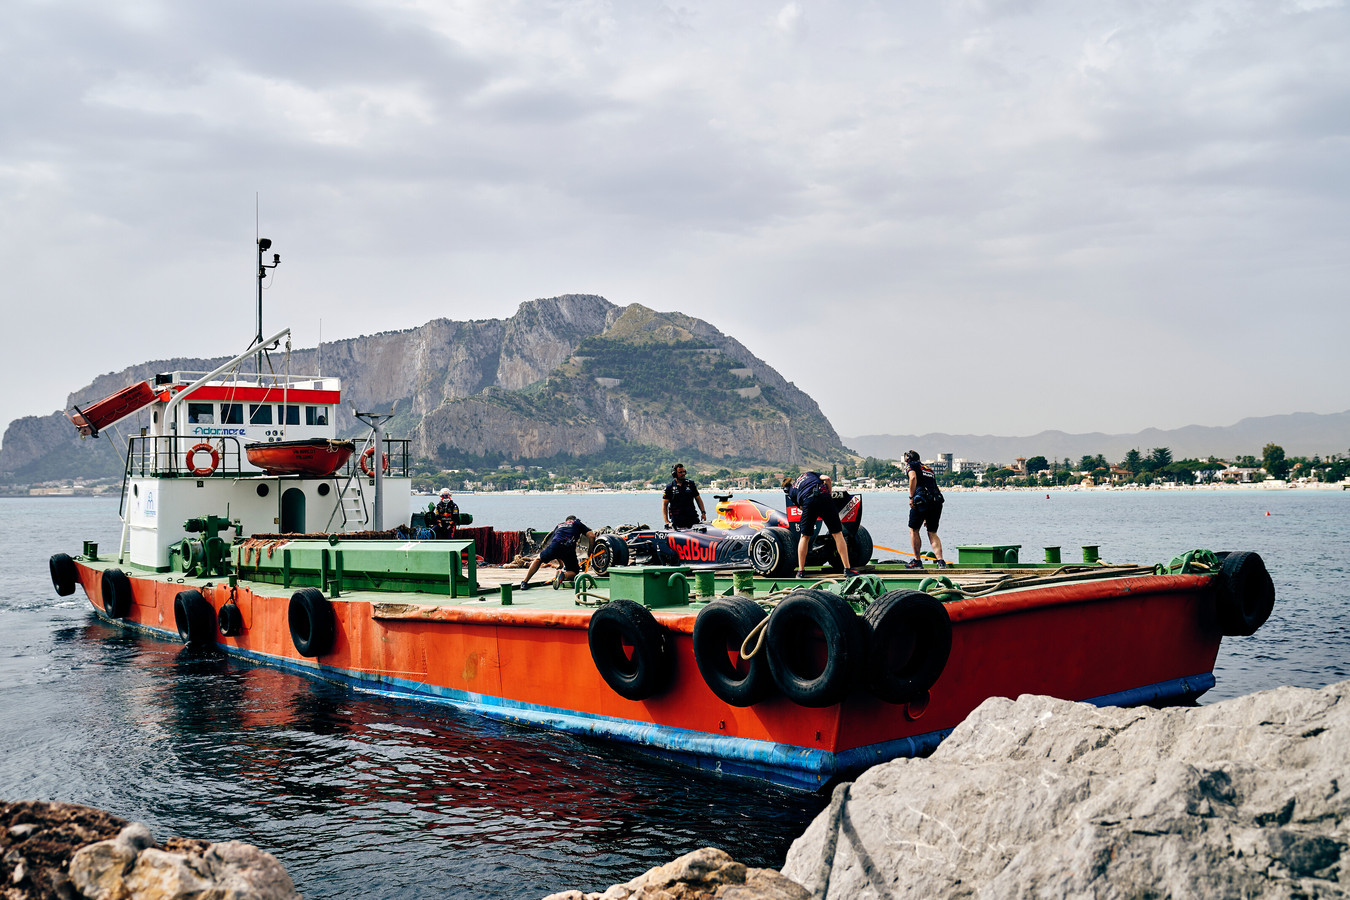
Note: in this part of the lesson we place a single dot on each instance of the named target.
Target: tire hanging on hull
(719, 631)
(195, 619)
(909, 641)
(816, 647)
(64, 575)
(1244, 593)
(630, 649)
(313, 625)
(115, 589)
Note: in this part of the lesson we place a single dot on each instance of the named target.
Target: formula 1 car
(743, 532)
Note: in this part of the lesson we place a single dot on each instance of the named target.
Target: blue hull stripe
(786, 765)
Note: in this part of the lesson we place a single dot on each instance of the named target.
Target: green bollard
(706, 583)
(1090, 553)
(506, 595)
(744, 583)
(1052, 555)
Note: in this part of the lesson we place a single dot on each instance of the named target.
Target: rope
(836, 816)
(757, 634)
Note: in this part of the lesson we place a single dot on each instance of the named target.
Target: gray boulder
(1045, 798)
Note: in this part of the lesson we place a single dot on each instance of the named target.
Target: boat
(799, 683)
(316, 457)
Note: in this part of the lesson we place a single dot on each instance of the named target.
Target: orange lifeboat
(315, 457)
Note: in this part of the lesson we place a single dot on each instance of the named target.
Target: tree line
(1155, 466)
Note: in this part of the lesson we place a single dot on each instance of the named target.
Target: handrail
(171, 407)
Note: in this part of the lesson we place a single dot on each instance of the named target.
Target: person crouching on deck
(561, 547)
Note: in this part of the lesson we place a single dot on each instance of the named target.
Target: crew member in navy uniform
(561, 546)
(447, 515)
(925, 507)
(811, 493)
(677, 503)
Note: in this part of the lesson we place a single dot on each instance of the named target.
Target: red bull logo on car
(691, 550)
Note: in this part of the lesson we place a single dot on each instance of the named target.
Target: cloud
(1042, 202)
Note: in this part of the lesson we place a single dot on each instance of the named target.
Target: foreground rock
(55, 850)
(705, 874)
(1045, 798)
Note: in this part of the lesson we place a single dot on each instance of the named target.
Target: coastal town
(1154, 469)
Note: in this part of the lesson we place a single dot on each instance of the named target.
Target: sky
(975, 216)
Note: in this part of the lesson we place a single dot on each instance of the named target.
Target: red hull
(316, 458)
(1078, 641)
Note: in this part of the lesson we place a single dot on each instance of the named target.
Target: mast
(264, 244)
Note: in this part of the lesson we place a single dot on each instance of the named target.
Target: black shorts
(820, 507)
(920, 513)
(564, 553)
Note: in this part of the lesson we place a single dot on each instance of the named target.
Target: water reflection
(408, 795)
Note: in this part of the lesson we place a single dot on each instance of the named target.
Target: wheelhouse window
(316, 415)
(232, 414)
(201, 413)
(260, 414)
(288, 414)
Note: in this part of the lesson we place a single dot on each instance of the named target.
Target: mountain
(573, 376)
(1300, 434)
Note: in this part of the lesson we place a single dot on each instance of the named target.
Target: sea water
(367, 797)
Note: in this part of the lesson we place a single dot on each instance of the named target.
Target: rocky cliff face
(517, 387)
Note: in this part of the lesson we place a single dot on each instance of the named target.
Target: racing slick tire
(859, 547)
(816, 647)
(909, 641)
(1244, 593)
(63, 574)
(630, 649)
(772, 553)
(195, 619)
(613, 551)
(719, 631)
(313, 625)
(115, 589)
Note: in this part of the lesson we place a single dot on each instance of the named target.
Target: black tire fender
(63, 574)
(1244, 593)
(230, 620)
(719, 632)
(313, 625)
(816, 647)
(772, 554)
(194, 618)
(115, 589)
(909, 642)
(644, 672)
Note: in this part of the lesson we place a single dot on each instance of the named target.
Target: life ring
(115, 591)
(63, 574)
(313, 626)
(203, 448)
(367, 468)
(719, 631)
(816, 647)
(630, 649)
(910, 639)
(1244, 593)
(195, 619)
